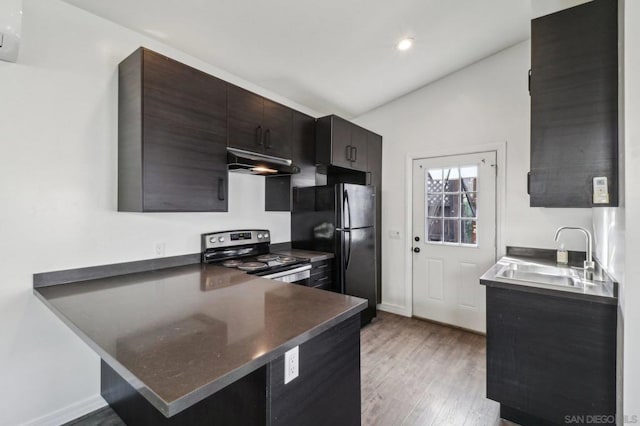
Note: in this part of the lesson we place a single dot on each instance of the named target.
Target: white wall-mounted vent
(10, 29)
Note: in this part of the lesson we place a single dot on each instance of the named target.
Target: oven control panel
(235, 238)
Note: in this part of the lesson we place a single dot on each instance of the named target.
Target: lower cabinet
(322, 275)
(550, 360)
(327, 392)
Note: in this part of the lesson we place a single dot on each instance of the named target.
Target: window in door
(451, 205)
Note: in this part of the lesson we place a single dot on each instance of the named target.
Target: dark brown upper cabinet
(258, 124)
(172, 136)
(574, 105)
(341, 143)
(278, 189)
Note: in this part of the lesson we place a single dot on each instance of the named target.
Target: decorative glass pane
(451, 180)
(451, 231)
(434, 205)
(469, 204)
(434, 229)
(451, 205)
(469, 233)
(469, 176)
(434, 181)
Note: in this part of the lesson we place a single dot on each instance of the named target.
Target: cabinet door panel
(246, 130)
(574, 101)
(549, 356)
(278, 125)
(359, 151)
(179, 172)
(304, 149)
(340, 142)
(184, 150)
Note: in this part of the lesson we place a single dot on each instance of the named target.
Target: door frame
(500, 149)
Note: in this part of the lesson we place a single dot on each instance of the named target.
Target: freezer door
(358, 209)
(359, 265)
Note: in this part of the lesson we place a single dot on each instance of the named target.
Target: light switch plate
(291, 364)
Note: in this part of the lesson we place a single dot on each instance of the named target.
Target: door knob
(416, 249)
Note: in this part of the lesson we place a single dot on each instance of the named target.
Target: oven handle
(294, 271)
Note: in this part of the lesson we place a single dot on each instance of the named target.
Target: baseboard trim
(395, 309)
(70, 412)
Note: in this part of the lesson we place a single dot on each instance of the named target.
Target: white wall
(58, 169)
(631, 301)
(485, 103)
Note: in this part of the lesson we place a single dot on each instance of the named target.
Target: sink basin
(541, 274)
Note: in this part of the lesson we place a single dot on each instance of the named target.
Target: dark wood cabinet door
(341, 148)
(246, 129)
(374, 177)
(359, 148)
(551, 357)
(304, 149)
(278, 129)
(574, 102)
(184, 145)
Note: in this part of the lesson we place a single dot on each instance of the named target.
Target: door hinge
(529, 83)
(529, 183)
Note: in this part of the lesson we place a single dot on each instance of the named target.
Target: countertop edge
(209, 389)
(549, 292)
(169, 409)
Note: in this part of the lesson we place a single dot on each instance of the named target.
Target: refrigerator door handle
(347, 207)
(346, 266)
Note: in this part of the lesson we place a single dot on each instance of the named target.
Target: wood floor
(414, 372)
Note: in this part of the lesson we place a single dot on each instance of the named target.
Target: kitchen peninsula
(196, 344)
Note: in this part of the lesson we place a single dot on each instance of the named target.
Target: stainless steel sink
(541, 274)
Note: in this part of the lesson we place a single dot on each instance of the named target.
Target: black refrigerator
(340, 219)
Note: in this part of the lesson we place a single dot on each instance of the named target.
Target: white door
(454, 237)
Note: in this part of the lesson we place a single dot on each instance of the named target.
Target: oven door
(297, 275)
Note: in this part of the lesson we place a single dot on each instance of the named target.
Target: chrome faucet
(589, 265)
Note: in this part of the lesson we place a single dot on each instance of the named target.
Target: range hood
(239, 160)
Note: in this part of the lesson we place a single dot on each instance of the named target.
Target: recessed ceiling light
(405, 44)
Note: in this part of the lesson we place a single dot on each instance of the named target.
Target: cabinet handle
(267, 138)
(529, 183)
(529, 84)
(221, 189)
(259, 135)
(348, 153)
(355, 154)
(369, 178)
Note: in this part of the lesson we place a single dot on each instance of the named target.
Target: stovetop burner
(267, 257)
(233, 263)
(252, 266)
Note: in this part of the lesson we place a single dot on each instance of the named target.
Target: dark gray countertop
(181, 334)
(602, 289)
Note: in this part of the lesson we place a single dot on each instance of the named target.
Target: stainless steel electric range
(249, 251)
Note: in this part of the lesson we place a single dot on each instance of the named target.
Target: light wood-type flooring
(414, 372)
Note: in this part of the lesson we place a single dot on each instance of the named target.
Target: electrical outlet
(159, 249)
(291, 364)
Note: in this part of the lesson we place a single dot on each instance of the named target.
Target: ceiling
(334, 56)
